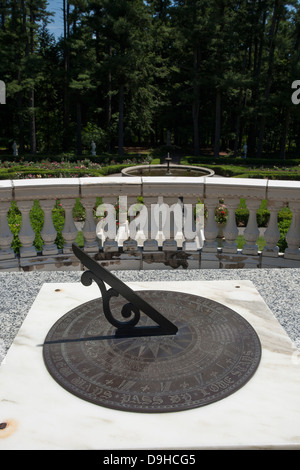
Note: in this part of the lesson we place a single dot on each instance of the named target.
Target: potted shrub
(221, 215)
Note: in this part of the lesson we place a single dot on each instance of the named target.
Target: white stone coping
(6, 190)
(48, 188)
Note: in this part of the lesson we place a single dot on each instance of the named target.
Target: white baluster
(189, 225)
(48, 232)
(293, 235)
(211, 229)
(6, 237)
(123, 229)
(174, 227)
(178, 223)
(89, 228)
(230, 230)
(138, 225)
(150, 244)
(159, 221)
(251, 232)
(107, 228)
(26, 234)
(272, 233)
(69, 231)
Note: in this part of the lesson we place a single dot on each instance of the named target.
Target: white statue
(245, 150)
(15, 149)
(93, 148)
(2, 92)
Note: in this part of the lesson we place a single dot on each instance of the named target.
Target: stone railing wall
(146, 251)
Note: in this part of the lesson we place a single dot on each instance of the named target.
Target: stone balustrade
(148, 246)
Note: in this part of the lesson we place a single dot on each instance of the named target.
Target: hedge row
(245, 162)
(271, 175)
(244, 172)
(22, 172)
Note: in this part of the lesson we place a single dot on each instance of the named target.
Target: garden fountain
(167, 169)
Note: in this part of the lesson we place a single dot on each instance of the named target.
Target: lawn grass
(240, 241)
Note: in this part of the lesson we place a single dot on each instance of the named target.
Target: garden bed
(272, 169)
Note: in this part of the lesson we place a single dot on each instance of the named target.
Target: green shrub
(242, 214)
(284, 222)
(271, 175)
(263, 216)
(14, 218)
(239, 161)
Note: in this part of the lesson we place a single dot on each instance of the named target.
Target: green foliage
(37, 221)
(267, 168)
(92, 132)
(84, 168)
(242, 214)
(14, 218)
(284, 222)
(209, 74)
(240, 241)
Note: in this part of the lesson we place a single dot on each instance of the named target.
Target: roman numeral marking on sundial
(165, 386)
(126, 384)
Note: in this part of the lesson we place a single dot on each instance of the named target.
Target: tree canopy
(197, 73)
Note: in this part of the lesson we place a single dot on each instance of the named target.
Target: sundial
(149, 351)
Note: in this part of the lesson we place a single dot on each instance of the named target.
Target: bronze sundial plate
(214, 353)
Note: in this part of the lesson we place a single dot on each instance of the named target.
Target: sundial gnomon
(149, 351)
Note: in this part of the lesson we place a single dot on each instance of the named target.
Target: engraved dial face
(214, 353)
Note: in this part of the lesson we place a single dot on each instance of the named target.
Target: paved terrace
(280, 289)
(275, 275)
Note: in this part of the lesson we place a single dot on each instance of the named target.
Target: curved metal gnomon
(87, 278)
(131, 309)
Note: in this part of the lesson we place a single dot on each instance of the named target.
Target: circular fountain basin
(165, 170)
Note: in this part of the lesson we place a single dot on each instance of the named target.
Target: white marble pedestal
(40, 414)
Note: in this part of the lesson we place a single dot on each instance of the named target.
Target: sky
(56, 26)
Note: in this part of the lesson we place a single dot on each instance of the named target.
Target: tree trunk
(218, 124)
(196, 128)
(66, 76)
(285, 133)
(121, 121)
(31, 94)
(32, 123)
(109, 108)
(237, 135)
(257, 65)
(3, 16)
(79, 141)
(238, 119)
(273, 32)
(298, 140)
(20, 115)
(196, 106)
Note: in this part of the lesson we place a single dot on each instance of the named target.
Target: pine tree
(127, 35)
(19, 37)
